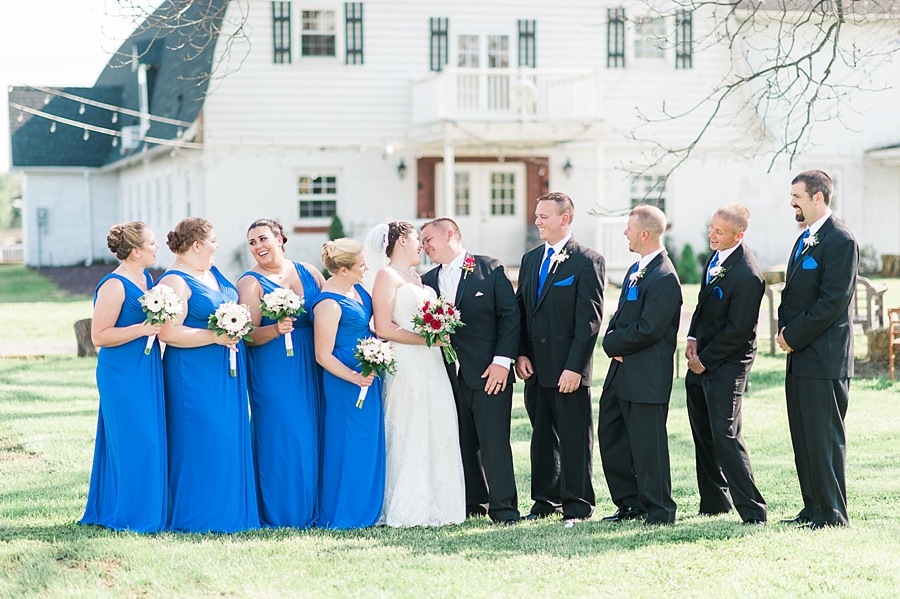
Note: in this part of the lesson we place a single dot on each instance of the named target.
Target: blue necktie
(712, 265)
(633, 270)
(545, 269)
(800, 245)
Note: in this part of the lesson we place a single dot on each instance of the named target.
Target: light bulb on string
(20, 118)
(179, 133)
(46, 99)
(115, 141)
(53, 127)
(86, 135)
(81, 109)
(115, 117)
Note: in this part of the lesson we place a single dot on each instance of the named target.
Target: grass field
(48, 412)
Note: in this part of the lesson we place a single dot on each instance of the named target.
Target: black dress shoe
(754, 522)
(624, 513)
(813, 525)
(711, 514)
(798, 519)
(649, 522)
(510, 522)
(532, 516)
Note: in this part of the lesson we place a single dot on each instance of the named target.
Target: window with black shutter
(684, 40)
(527, 54)
(439, 47)
(353, 11)
(281, 31)
(615, 37)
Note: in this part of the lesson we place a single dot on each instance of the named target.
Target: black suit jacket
(644, 332)
(724, 322)
(487, 305)
(560, 329)
(816, 312)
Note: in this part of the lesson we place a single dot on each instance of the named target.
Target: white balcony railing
(505, 95)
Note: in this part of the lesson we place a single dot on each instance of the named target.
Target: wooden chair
(868, 304)
(893, 337)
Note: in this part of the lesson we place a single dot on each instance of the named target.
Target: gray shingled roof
(178, 80)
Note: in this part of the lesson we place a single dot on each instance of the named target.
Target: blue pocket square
(565, 282)
(810, 263)
(717, 291)
(632, 294)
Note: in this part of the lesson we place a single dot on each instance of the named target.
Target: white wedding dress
(424, 484)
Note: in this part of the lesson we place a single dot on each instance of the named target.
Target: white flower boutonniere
(634, 277)
(559, 258)
(811, 241)
(716, 272)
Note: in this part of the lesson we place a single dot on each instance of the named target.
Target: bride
(424, 483)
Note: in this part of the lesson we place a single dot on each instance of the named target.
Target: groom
(481, 379)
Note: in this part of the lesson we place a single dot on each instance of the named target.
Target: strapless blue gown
(128, 477)
(211, 481)
(285, 395)
(352, 486)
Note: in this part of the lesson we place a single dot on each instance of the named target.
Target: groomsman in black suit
(720, 350)
(634, 405)
(815, 327)
(560, 296)
(483, 385)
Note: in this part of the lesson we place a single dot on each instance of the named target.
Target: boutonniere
(634, 277)
(716, 272)
(811, 241)
(558, 259)
(468, 266)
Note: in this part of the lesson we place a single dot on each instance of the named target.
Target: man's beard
(800, 218)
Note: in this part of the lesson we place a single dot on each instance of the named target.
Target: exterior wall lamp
(401, 169)
(567, 168)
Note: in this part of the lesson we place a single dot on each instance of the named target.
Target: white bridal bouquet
(280, 304)
(231, 319)
(160, 304)
(376, 356)
(436, 321)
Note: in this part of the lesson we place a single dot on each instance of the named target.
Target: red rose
(428, 317)
(438, 310)
(435, 324)
(450, 311)
(425, 307)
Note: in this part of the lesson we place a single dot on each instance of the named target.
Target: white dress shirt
(557, 247)
(724, 254)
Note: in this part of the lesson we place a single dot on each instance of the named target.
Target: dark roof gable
(179, 59)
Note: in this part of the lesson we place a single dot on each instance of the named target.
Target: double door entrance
(489, 206)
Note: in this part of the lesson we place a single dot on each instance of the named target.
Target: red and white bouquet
(376, 356)
(280, 304)
(436, 321)
(161, 304)
(234, 320)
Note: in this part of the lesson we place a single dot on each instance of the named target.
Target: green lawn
(48, 412)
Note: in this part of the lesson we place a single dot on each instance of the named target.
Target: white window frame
(638, 194)
(315, 221)
(483, 32)
(339, 29)
(666, 61)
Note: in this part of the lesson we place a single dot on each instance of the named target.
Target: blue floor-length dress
(353, 451)
(285, 395)
(128, 478)
(211, 481)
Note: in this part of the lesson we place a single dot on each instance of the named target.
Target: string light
(20, 118)
(53, 127)
(115, 141)
(81, 109)
(86, 135)
(46, 99)
(179, 133)
(115, 117)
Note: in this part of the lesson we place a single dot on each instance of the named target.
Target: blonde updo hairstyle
(125, 237)
(342, 252)
(186, 232)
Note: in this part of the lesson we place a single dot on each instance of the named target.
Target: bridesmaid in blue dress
(352, 487)
(211, 481)
(285, 392)
(128, 478)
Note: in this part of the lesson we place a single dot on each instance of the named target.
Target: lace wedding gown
(424, 483)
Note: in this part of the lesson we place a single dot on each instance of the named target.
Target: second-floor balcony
(522, 94)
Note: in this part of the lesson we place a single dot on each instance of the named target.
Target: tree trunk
(83, 337)
(890, 266)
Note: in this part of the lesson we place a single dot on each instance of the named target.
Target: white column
(445, 206)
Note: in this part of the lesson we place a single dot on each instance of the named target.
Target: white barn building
(401, 109)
